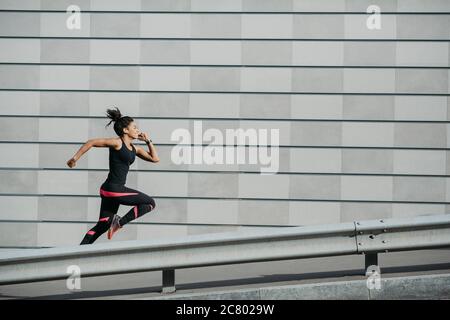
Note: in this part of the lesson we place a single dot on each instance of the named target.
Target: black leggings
(112, 196)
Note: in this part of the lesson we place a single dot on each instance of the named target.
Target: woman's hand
(143, 137)
(72, 162)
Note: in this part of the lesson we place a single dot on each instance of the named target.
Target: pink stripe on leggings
(135, 212)
(90, 232)
(116, 194)
(104, 219)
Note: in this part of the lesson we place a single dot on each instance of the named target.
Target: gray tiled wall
(363, 114)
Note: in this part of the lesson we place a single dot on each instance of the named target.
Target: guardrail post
(168, 281)
(371, 259)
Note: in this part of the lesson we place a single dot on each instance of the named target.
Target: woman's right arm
(101, 142)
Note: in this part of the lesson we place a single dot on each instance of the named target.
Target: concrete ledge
(412, 287)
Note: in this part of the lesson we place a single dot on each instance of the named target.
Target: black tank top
(119, 163)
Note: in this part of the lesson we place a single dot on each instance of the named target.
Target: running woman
(113, 191)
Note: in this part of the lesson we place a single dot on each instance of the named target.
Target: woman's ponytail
(120, 122)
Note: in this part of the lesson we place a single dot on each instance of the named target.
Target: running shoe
(115, 226)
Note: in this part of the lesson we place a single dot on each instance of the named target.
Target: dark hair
(120, 122)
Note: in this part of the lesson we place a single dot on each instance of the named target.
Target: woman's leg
(141, 202)
(108, 209)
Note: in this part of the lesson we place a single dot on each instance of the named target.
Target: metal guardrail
(166, 255)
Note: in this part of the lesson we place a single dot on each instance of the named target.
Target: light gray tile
(420, 108)
(127, 102)
(62, 208)
(303, 213)
(212, 25)
(64, 51)
(62, 5)
(160, 5)
(20, 50)
(267, 5)
(317, 80)
(376, 134)
(57, 155)
(267, 26)
(419, 189)
(164, 105)
(64, 77)
(55, 182)
(369, 80)
(224, 185)
(420, 6)
(318, 53)
(306, 106)
(369, 53)
(362, 5)
(19, 155)
(215, 52)
(19, 23)
(19, 102)
(165, 25)
(315, 187)
(267, 52)
(116, 5)
(214, 105)
(27, 237)
(19, 208)
(315, 160)
(432, 162)
(212, 211)
(60, 234)
(316, 133)
(165, 78)
(318, 6)
(14, 5)
(19, 129)
(423, 27)
(165, 52)
(19, 77)
(263, 212)
(114, 78)
(324, 26)
(421, 81)
(373, 188)
(265, 106)
(64, 103)
(422, 53)
(429, 135)
(263, 186)
(216, 5)
(266, 79)
(365, 211)
(367, 161)
(215, 79)
(114, 51)
(115, 25)
(19, 181)
(368, 107)
(63, 129)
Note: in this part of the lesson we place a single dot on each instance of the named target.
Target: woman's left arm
(151, 155)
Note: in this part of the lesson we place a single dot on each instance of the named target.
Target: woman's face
(132, 130)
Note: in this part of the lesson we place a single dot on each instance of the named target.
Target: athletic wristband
(148, 142)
